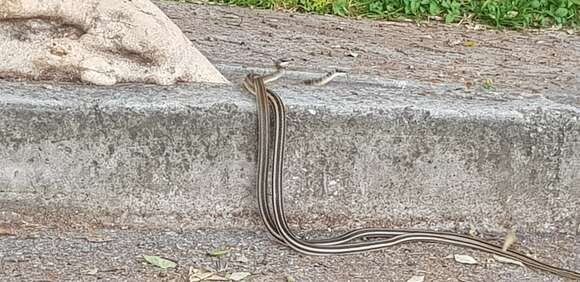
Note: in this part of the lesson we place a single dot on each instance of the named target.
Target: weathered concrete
(358, 154)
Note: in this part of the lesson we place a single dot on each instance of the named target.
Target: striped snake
(272, 116)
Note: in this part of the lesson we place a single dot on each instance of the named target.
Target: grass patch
(499, 13)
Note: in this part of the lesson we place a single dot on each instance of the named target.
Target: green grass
(499, 13)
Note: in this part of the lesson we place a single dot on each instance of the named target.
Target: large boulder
(97, 41)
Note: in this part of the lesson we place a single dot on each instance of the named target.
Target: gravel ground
(35, 253)
(528, 63)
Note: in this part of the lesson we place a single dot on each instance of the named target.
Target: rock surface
(101, 42)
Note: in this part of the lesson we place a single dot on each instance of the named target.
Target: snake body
(272, 122)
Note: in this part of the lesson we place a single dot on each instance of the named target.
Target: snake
(271, 124)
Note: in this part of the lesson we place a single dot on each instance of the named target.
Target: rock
(97, 41)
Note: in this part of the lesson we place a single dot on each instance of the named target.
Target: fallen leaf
(93, 271)
(510, 238)
(488, 83)
(52, 275)
(196, 275)
(6, 232)
(507, 260)
(472, 230)
(416, 278)
(465, 259)
(469, 43)
(160, 262)
(239, 276)
(216, 277)
(230, 16)
(218, 253)
(210, 269)
(290, 279)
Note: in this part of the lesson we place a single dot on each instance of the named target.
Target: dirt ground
(531, 62)
(33, 253)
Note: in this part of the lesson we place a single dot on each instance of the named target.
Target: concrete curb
(358, 154)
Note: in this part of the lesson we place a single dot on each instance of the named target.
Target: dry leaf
(290, 279)
(472, 229)
(216, 277)
(6, 232)
(239, 276)
(218, 253)
(417, 278)
(465, 259)
(230, 16)
(510, 238)
(469, 43)
(196, 275)
(52, 275)
(160, 262)
(507, 260)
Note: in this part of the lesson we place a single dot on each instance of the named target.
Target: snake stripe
(272, 115)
